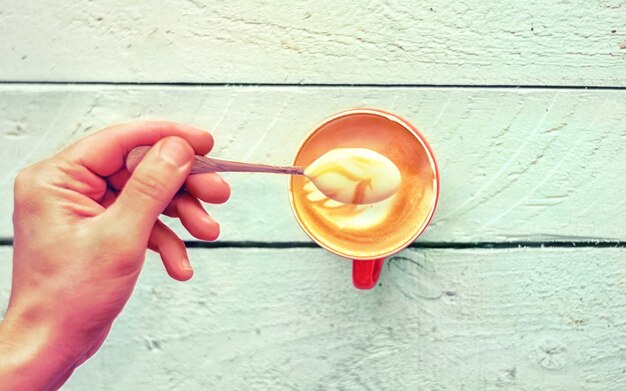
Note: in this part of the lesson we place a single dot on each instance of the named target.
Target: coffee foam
(354, 175)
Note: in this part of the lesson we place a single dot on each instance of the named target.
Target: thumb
(152, 185)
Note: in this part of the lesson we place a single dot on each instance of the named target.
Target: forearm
(31, 354)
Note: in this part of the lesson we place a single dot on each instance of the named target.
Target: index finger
(104, 152)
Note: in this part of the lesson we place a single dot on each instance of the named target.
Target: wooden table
(518, 284)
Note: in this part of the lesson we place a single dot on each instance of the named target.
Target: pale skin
(82, 225)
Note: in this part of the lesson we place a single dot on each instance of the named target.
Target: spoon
(347, 175)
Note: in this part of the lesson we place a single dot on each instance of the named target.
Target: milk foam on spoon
(354, 175)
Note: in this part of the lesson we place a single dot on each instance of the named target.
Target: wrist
(32, 354)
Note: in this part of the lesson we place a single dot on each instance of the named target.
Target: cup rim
(418, 135)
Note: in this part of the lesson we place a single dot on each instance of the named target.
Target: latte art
(347, 216)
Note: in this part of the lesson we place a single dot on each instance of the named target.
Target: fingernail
(186, 265)
(209, 220)
(174, 151)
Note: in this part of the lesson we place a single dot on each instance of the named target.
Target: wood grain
(534, 42)
(518, 319)
(515, 164)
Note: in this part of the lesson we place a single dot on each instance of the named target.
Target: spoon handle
(203, 164)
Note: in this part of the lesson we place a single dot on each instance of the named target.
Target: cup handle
(365, 273)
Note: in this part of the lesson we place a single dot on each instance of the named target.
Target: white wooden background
(523, 102)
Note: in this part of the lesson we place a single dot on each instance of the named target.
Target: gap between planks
(311, 85)
(417, 245)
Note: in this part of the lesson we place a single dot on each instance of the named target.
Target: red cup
(368, 234)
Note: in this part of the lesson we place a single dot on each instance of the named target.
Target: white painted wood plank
(515, 164)
(517, 319)
(575, 42)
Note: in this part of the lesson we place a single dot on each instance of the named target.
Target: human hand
(82, 224)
